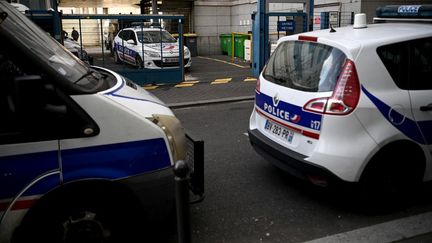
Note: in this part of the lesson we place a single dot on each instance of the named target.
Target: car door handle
(426, 108)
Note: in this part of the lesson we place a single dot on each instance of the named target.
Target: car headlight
(175, 134)
(151, 53)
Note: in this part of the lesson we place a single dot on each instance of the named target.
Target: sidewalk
(211, 79)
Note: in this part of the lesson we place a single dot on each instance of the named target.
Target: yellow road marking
(182, 85)
(250, 79)
(186, 84)
(191, 82)
(221, 81)
(150, 87)
(230, 63)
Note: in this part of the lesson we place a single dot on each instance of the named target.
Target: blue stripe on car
(408, 127)
(113, 93)
(18, 171)
(288, 112)
(117, 160)
(113, 161)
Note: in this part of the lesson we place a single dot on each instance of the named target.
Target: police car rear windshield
(306, 66)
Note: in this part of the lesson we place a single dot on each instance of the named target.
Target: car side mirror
(131, 42)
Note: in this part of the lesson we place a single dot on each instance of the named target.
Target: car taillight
(345, 95)
(307, 38)
(316, 105)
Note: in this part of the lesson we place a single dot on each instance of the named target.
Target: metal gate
(100, 46)
(261, 27)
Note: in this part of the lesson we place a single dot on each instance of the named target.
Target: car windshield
(306, 66)
(43, 51)
(155, 36)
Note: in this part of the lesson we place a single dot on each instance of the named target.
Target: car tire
(116, 57)
(389, 182)
(82, 218)
(138, 62)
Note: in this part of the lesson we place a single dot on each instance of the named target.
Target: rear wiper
(279, 80)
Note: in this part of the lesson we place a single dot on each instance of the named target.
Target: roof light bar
(405, 11)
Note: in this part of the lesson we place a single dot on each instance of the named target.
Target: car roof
(350, 40)
(138, 28)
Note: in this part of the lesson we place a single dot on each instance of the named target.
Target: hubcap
(84, 228)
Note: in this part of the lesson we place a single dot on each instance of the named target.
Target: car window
(27, 97)
(124, 34)
(132, 36)
(409, 63)
(120, 34)
(21, 39)
(306, 66)
(155, 37)
(395, 59)
(421, 64)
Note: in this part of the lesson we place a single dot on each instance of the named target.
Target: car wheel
(389, 182)
(116, 57)
(138, 62)
(88, 219)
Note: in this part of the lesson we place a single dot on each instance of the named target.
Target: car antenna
(331, 29)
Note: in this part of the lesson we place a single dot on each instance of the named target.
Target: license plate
(279, 131)
(171, 59)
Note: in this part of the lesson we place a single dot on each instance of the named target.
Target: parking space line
(182, 85)
(390, 231)
(248, 79)
(191, 82)
(150, 87)
(229, 63)
(186, 84)
(221, 81)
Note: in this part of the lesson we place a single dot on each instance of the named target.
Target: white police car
(149, 48)
(86, 155)
(351, 105)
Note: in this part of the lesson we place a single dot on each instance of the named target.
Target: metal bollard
(181, 172)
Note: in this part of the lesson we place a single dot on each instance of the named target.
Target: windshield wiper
(89, 72)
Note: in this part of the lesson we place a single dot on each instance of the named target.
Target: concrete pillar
(154, 7)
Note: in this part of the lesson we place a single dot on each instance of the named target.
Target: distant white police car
(152, 48)
(353, 105)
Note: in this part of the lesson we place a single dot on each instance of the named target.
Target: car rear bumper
(291, 161)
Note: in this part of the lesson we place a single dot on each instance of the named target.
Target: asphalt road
(249, 200)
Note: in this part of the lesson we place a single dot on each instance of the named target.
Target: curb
(209, 102)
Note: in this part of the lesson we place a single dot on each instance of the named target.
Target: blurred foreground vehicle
(86, 155)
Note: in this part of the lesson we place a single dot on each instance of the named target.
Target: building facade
(215, 17)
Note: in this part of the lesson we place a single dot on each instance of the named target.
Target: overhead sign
(287, 25)
(334, 18)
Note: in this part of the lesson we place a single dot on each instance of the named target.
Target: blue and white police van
(85, 154)
(351, 104)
